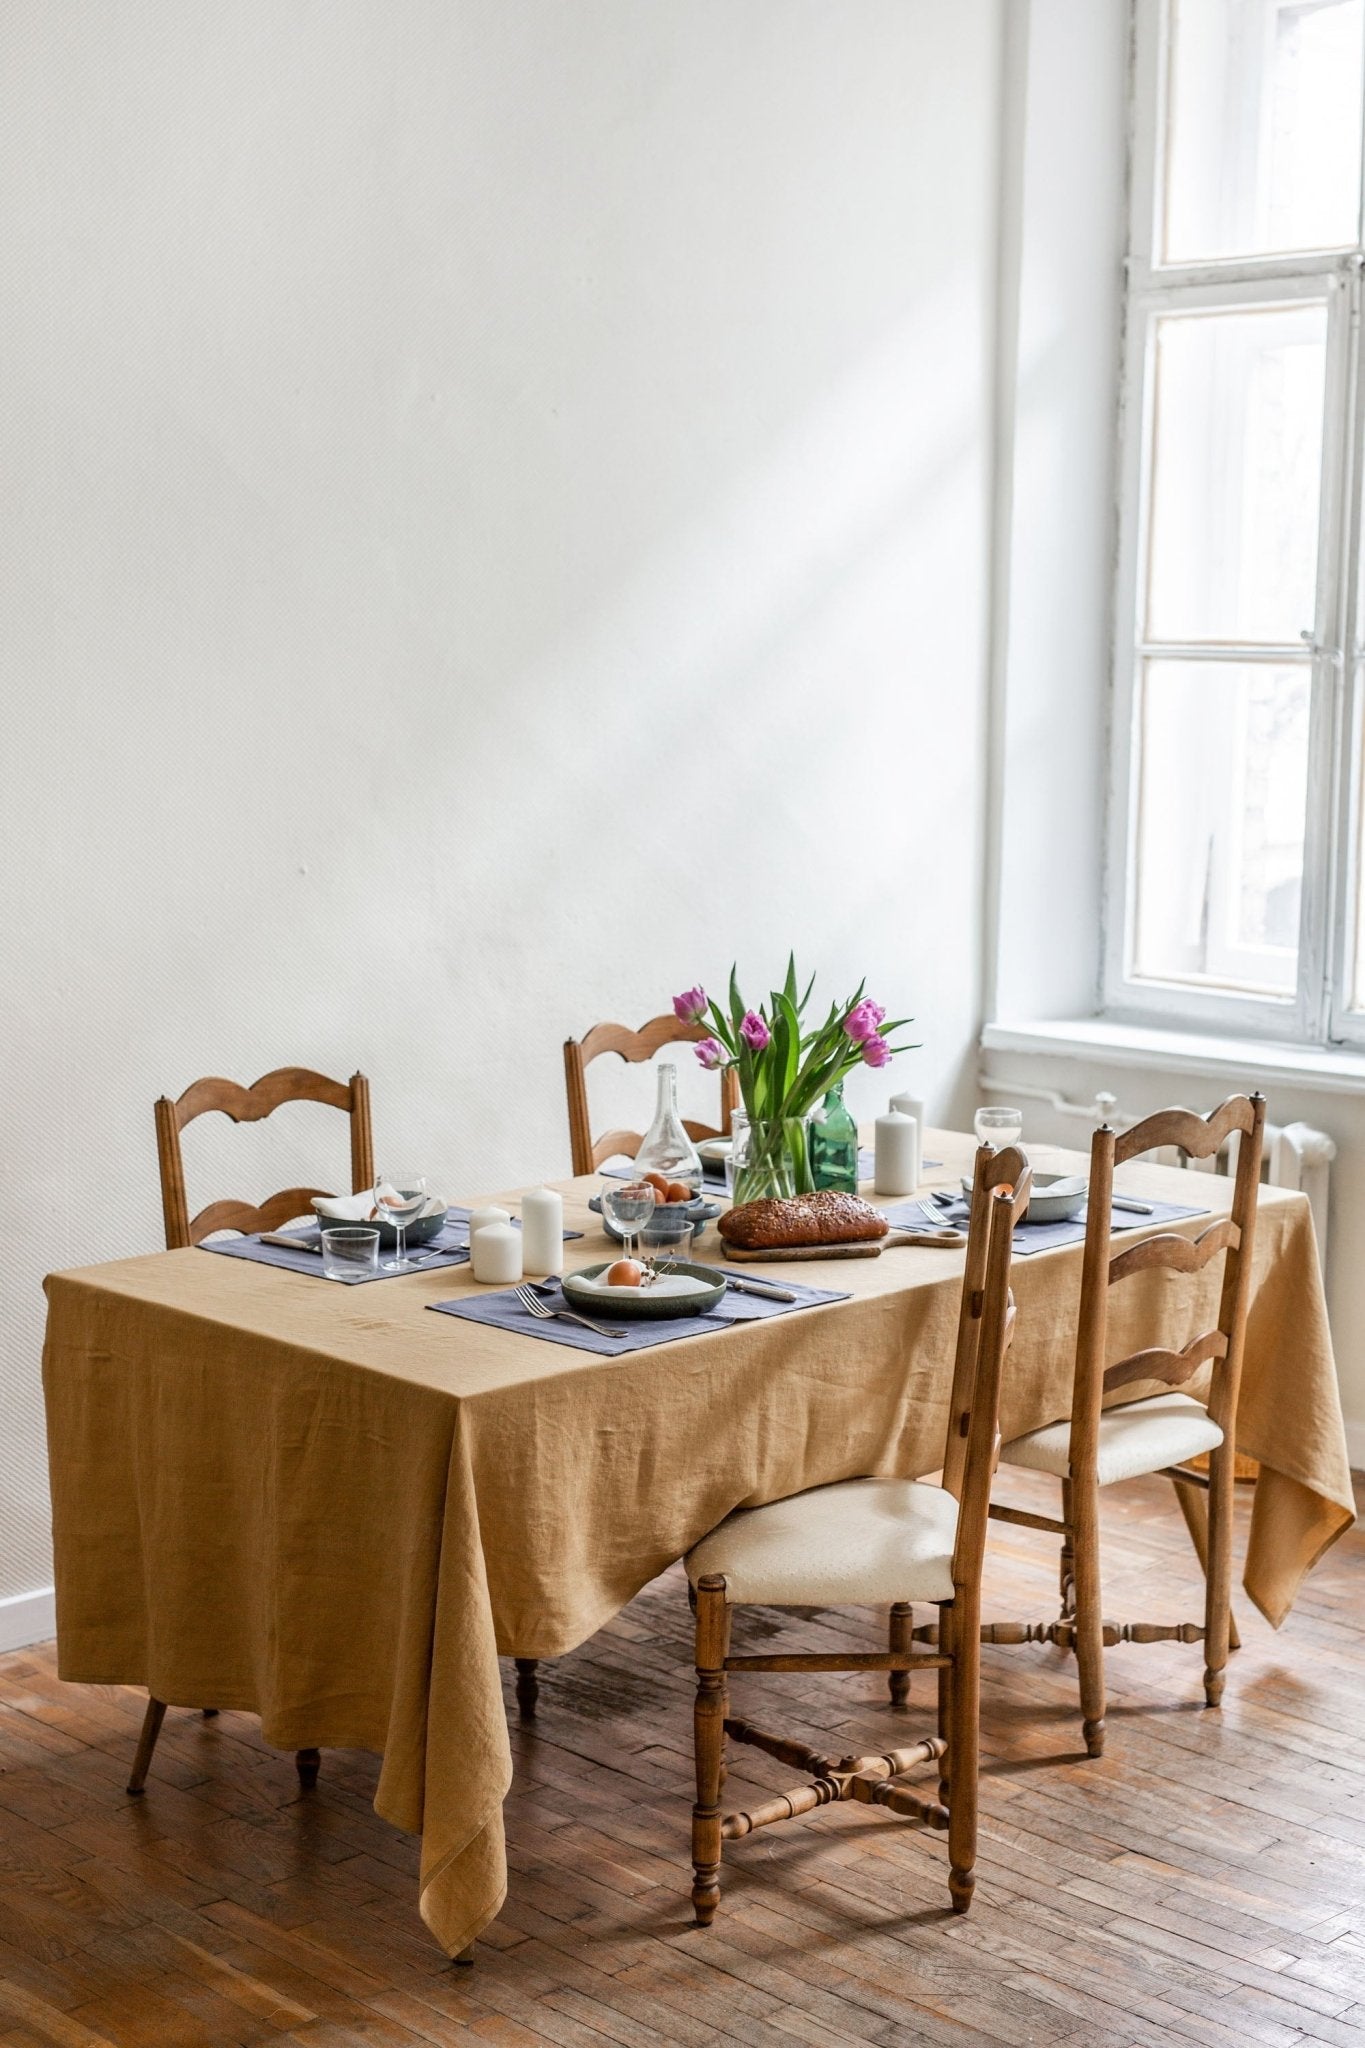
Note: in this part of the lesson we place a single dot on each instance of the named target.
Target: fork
(536, 1307)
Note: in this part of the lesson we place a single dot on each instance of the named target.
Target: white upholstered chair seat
(1143, 1436)
(857, 1543)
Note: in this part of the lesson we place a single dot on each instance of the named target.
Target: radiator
(1296, 1156)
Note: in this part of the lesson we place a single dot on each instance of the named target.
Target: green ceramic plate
(643, 1304)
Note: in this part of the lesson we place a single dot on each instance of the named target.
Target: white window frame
(1319, 1008)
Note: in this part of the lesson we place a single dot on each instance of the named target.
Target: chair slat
(242, 1216)
(249, 1105)
(1199, 1136)
(1173, 1368)
(1178, 1254)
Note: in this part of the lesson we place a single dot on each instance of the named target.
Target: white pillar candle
(496, 1253)
(897, 1145)
(909, 1105)
(481, 1218)
(542, 1231)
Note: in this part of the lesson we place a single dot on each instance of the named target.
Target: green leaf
(736, 999)
(789, 987)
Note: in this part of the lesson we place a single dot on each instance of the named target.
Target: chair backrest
(1000, 1192)
(633, 1046)
(248, 1105)
(1233, 1236)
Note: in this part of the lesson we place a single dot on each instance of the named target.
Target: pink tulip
(690, 1005)
(876, 1051)
(754, 1031)
(863, 1022)
(710, 1052)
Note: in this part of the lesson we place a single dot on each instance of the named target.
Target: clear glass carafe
(666, 1147)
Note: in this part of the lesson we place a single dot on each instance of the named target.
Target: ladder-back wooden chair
(635, 1047)
(1098, 1445)
(865, 1542)
(245, 1105)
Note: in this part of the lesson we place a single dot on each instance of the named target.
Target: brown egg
(659, 1183)
(678, 1191)
(625, 1273)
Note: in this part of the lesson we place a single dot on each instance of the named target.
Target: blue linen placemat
(503, 1311)
(451, 1243)
(1044, 1237)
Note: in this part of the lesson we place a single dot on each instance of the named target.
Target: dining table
(330, 1507)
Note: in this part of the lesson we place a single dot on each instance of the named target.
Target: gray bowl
(697, 1212)
(640, 1305)
(420, 1232)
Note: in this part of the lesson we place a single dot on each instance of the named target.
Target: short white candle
(481, 1218)
(897, 1153)
(496, 1253)
(542, 1230)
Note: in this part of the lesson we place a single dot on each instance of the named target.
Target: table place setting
(351, 1239)
(552, 1309)
(1045, 1233)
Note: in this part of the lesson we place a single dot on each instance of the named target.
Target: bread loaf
(825, 1218)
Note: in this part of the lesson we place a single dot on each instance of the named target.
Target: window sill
(1339, 1070)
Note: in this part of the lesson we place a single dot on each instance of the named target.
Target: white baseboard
(28, 1618)
(1355, 1445)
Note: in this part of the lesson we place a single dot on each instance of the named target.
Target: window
(1234, 895)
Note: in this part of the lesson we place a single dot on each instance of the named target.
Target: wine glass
(628, 1204)
(998, 1126)
(400, 1199)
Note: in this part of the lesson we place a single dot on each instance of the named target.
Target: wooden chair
(245, 1105)
(863, 1542)
(1097, 1445)
(634, 1046)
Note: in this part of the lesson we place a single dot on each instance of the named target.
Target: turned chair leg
(1195, 1510)
(1218, 1575)
(708, 1734)
(151, 1728)
(1067, 1569)
(528, 1687)
(964, 1688)
(307, 1763)
(900, 1643)
(1088, 1617)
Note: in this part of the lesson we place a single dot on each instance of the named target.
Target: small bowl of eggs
(673, 1200)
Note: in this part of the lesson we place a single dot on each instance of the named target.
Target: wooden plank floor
(1204, 1882)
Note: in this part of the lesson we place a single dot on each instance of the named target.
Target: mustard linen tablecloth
(329, 1507)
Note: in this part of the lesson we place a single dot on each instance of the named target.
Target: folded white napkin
(360, 1208)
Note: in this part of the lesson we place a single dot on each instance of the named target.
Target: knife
(290, 1244)
(761, 1287)
(1127, 1202)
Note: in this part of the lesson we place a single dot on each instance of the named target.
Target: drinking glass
(998, 1126)
(350, 1252)
(400, 1199)
(627, 1204)
(665, 1243)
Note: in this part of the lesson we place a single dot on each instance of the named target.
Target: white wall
(495, 524)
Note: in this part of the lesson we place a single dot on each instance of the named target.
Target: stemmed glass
(628, 1204)
(400, 1199)
(998, 1126)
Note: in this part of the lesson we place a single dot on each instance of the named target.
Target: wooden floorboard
(1203, 1882)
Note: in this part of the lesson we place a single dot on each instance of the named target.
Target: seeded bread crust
(825, 1218)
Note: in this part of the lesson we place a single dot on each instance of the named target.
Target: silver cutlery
(290, 1244)
(759, 1287)
(1127, 1202)
(929, 1209)
(545, 1314)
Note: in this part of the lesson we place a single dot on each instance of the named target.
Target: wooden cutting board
(862, 1248)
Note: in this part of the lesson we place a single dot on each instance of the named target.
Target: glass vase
(666, 1147)
(769, 1158)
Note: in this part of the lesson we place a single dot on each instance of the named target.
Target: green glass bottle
(834, 1146)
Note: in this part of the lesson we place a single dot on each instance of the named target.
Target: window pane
(1236, 461)
(1223, 776)
(1262, 126)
